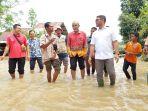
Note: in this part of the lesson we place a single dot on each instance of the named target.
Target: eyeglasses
(74, 25)
(98, 19)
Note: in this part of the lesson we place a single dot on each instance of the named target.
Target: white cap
(58, 27)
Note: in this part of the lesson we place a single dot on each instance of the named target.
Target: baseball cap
(58, 27)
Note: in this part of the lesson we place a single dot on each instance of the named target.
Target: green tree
(131, 18)
(6, 16)
(144, 20)
(32, 18)
(128, 23)
(132, 6)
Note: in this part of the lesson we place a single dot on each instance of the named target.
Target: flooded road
(34, 93)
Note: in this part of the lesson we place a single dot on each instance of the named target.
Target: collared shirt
(15, 50)
(77, 41)
(47, 53)
(102, 39)
(61, 44)
(35, 50)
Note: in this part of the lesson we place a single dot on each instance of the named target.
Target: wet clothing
(12, 65)
(133, 69)
(74, 60)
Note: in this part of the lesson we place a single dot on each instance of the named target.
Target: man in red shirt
(17, 46)
(77, 50)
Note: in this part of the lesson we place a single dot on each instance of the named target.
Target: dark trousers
(13, 62)
(33, 61)
(88, 65)
(105, 70)
(133, 69)
(74, 60)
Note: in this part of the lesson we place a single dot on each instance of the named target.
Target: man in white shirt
(103, 43)
(61, 48)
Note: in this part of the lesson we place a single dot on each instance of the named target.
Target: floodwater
(34, 93)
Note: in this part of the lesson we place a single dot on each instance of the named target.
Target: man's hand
(52, 40)
(2, 58)
(89, 61)
(128, 53)
(28, 58)
(116, 57)
(54, 56)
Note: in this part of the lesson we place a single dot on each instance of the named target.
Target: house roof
(25, 31)
(41, 25)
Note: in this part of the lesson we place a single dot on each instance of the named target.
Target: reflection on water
(33, 93)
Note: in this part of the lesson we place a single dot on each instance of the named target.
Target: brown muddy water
(34, 93)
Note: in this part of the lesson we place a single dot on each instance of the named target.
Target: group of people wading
(54, 49)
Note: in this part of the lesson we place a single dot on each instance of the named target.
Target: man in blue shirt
(35, 51)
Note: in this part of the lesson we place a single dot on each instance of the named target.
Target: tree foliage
(133, 18)
(128, 24)
(144, 20)
(132, 6)
(6, 16)
(32, 18)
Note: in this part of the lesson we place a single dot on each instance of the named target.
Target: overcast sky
(84, 11)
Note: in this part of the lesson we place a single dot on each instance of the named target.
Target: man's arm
(68, 46)
(85, 46)
(44, 46)
(92, 50)
(28, 53)
(136, 52)
(5, 52)
(115, 47)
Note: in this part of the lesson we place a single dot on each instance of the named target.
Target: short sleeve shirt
(34, 46)
(47, 52)
(134, 48)
(61, 44)
(102, 40)
(14, 47)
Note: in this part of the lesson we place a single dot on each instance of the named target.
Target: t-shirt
(61, 44)
(133, 48)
